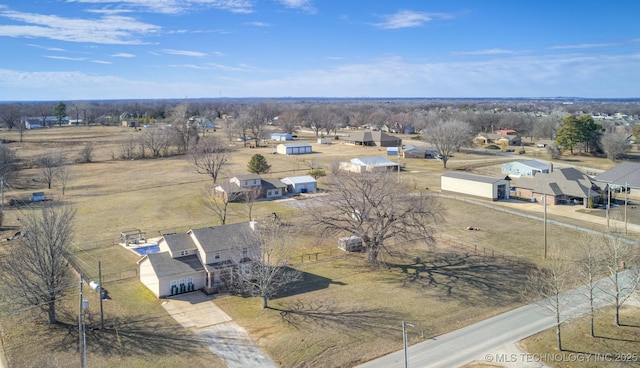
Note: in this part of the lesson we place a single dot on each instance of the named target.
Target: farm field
(344, 313)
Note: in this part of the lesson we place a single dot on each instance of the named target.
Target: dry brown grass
(344, 312)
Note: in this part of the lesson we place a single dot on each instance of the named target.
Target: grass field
(343, 314)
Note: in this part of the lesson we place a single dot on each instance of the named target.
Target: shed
(350, 243)
(300, 184)
(392, 151)
(37, 197)
(325, 140)
(281, 136)
(475, 185)
(294, 148)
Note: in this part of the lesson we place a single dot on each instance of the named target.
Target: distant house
(411, 151)
(525, 168)
(369, 164)
(293, 148)
(281, 136)
(130, 123)
(199, 259)
(242, 187)
(506, 132)
(300, 184)
(490, 138)
(372, 138)
(475, 185)
(560, 186)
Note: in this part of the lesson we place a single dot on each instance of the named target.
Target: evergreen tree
(258, 164)
(60, 111)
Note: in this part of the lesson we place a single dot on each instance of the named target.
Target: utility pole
(100, 294)
(626, 199)
(608, 204)
(404, 342)
(545, 225)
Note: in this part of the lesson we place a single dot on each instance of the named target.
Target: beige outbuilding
(475, 185)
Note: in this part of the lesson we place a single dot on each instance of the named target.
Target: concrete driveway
(225, 338)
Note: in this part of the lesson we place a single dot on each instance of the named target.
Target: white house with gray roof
(517, 169)
(199, 259)
(475, 185)
(300, 184)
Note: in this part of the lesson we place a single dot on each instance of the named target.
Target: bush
(492, 147)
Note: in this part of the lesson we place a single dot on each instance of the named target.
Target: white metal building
(475, 185)
(293, 148)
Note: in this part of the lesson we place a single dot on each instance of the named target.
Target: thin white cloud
(46, 47)
(409, 19)
(65, 58)
(258, 24)
(177, 6)
(215, 66)
(184, 53)
(486, 52)
(581, 46)
(123, 55)
(101, 62)
(304, 5)
(105, 30)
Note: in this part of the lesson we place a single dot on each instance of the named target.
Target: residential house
(300, 184)
(490, 138)
(559, 186)
(369, 164)
(200, 259)
(493, 188)
(372, 138)
(506, 132)
(294, 148)
(525, 168)
(243, 187)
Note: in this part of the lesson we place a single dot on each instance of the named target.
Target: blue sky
(64, 50)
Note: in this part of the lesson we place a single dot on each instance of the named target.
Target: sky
(68, 50)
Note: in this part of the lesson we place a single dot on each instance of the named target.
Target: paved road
(474, 342)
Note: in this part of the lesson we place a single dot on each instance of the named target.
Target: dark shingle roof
(223, 237)
(165, 266)
(178, 242)
(566, 181)
(272, 184)
(623, 173)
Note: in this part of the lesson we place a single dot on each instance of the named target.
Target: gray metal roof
(472, 177)
(303, 179)
(297, 144)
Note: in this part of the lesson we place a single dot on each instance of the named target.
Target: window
(184, 252)
(245, 251)
(216, 255)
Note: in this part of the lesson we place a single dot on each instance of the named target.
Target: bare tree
(128, 148)
(219, 205)
(382, 212)
(615, 144)
(589, 268)
(86, 153)
(289, 119)
(447, 137)
(36, 268)
(10, 115)
(64, 175)
(184, 130)
(209, 156)
(546, 286)
(49, 164)
(250, 197)
(617, 256)
(263, 265)
(156, 140)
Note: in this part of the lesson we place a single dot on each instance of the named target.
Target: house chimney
(550, 167)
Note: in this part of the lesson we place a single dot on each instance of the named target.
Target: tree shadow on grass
(467, 277)
(308, 282)
(131, 336)
(324, 314)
